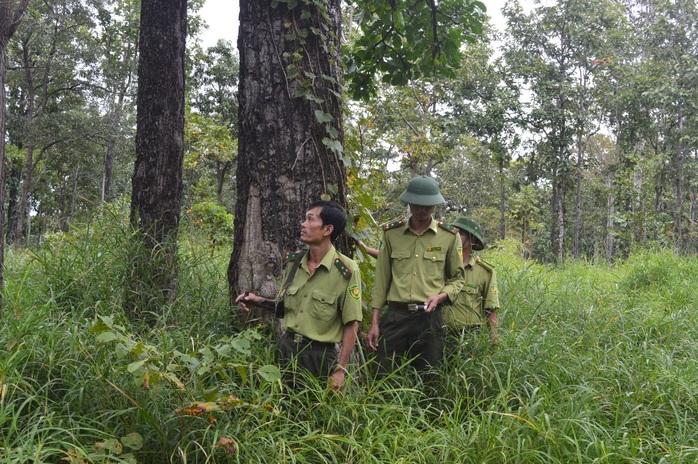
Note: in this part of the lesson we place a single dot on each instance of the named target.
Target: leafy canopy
(400, 40)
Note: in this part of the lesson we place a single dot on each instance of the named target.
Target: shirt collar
(327, 260)
(471, 261)
(433, 226)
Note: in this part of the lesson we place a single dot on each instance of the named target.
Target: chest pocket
(401, 261)
(292, 290)
(434, 262)
(472, 299)
(322, 305)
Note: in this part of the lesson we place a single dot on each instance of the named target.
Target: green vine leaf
(323, 117)
(333, 145)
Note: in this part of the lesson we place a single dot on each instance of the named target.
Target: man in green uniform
(419, 268)
(321, 295)
(478, 300)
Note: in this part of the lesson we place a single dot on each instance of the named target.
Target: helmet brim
(422, 200)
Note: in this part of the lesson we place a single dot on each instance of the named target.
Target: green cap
(470, 225)
(422, 191)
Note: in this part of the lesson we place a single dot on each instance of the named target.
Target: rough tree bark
(157, 177)
(290, 114)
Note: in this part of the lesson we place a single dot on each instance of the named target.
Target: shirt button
(414, 273)
(416, 256)
(433, 258)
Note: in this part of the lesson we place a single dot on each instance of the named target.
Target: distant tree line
(573, 130)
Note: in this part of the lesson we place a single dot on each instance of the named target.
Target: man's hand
(434, 301)
(247, 299)
(338, 378)
(372, 336)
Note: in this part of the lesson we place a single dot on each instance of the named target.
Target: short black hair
(331, 213)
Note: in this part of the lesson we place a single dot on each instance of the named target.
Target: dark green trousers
(406, 335)
(315, 358)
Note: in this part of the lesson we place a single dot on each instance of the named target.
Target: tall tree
(291, 128)
(11, 12)
(114, 78)
(157, 177)
(550, 50)
(45, 87)
(291, 131)
(212, 124)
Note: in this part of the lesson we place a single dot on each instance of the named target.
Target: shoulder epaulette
(393, 224)
(343, 269)
(448, 228)
(292, 256)
(485, 264)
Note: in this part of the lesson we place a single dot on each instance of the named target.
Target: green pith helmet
(422, 191)
(470, 225)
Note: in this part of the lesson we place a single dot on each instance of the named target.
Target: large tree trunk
(157, 177)
(290, 88)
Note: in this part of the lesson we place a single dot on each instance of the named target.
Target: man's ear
(328, 231)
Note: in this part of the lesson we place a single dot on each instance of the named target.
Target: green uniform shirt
(479, 293)
(411, 267)
(318, 306)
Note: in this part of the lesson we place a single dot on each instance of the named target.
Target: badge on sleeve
(355, 292)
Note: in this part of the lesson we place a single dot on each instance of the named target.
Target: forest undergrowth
(596, 362)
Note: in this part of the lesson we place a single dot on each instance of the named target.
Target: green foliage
(214, 222)
(595, 362)
(400, 41)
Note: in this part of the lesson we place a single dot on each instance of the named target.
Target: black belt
(299, 339)
(409, 307)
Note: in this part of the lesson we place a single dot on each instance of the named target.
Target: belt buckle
(412, 307)
(298, 338)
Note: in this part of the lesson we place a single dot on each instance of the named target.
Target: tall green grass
(596, 363)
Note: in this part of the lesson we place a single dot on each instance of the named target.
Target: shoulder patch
(292, 256)
(393, 224)
(343, 269)
(485, 264)
(448, 228)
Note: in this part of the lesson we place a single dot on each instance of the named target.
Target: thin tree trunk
(502, 201)
(578, 198)
(24, 193)
(108, 166)
(10, 15)
(561, 224)
(610, 212)
(678, 205)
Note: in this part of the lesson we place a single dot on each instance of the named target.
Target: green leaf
(134, 366)
(132, 441)
(223, 350)
(270, 373)
(106, 337)
(333, 145)
(242, 372)
(241, 345)
(291, 71)
(323, 117)
(105, 323)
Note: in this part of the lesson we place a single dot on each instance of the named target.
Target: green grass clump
(596, 363)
